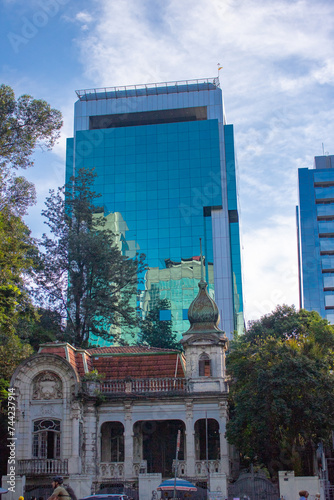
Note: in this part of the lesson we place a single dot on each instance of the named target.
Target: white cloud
(84, 17)
(270, 264)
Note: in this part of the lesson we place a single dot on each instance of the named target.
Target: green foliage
(43, 326)
(16, 194)
(24, 124)
(84, 275)
(282, 391)
(93, 376)
(17, 253)
(158, 333)
(12, 352)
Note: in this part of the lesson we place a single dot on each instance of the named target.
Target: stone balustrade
(201, 468)
(144, 386)
(111, 470)
(115, 470)
(42, 466)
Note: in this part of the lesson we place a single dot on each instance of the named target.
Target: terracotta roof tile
(143, 366)
(126, 349)
(80, 364)
(118, 362)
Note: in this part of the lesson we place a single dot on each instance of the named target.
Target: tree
(24, 124)
(17, 256)
(282, 390)
(84, 274)
(285, 322)
(156, 332)
(43, 326)
(12, 353)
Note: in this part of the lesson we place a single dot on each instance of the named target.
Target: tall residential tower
(166, 170)
(315, 219)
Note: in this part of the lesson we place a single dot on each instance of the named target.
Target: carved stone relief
(47, 385)
(48, 410)
(223, 409)
(128, 410)
(189, 410)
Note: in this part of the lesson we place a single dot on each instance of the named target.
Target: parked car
(107, 496)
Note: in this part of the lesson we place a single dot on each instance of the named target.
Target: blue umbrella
(180, 485)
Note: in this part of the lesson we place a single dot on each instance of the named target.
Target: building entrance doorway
(159, 444)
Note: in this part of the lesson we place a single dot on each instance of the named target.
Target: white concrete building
(119, 433)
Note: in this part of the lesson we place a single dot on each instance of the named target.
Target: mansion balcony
(144, 386)
(42, 467)
(115, 470)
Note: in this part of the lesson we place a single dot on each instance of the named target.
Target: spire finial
(202, 269)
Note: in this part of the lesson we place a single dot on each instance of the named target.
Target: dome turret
(203, 312)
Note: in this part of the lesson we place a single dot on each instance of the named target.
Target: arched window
(204, 366)
(112, 442)
(46, 439)
(207, 439)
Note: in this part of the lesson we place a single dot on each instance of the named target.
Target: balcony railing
(111, 470)
(142, 386)
(115, 470)
(42, 466)
(201, 467)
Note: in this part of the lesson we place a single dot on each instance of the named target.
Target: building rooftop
(325, 161)
(148, 89)
(121, 362)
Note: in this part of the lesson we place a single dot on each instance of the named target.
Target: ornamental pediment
(203, 340)
(47, 385)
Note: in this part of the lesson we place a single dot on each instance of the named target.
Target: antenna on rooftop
(323, 149)
(202, 269)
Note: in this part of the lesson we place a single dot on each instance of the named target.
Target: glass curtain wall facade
(166, 170)
(316, 236)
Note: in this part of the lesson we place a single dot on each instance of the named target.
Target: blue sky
(277, 81)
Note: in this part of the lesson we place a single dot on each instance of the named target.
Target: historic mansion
(118, 432)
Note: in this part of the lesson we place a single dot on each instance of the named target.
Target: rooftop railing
(148, 89)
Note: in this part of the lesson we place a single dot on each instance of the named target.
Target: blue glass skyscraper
(166, 170)
(315, 218)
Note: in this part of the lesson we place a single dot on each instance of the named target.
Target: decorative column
(74, 461)
(224, 455)
(128, 442)
(190, 440)
(91, 459)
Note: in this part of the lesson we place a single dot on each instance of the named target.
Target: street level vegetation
(282, 390)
